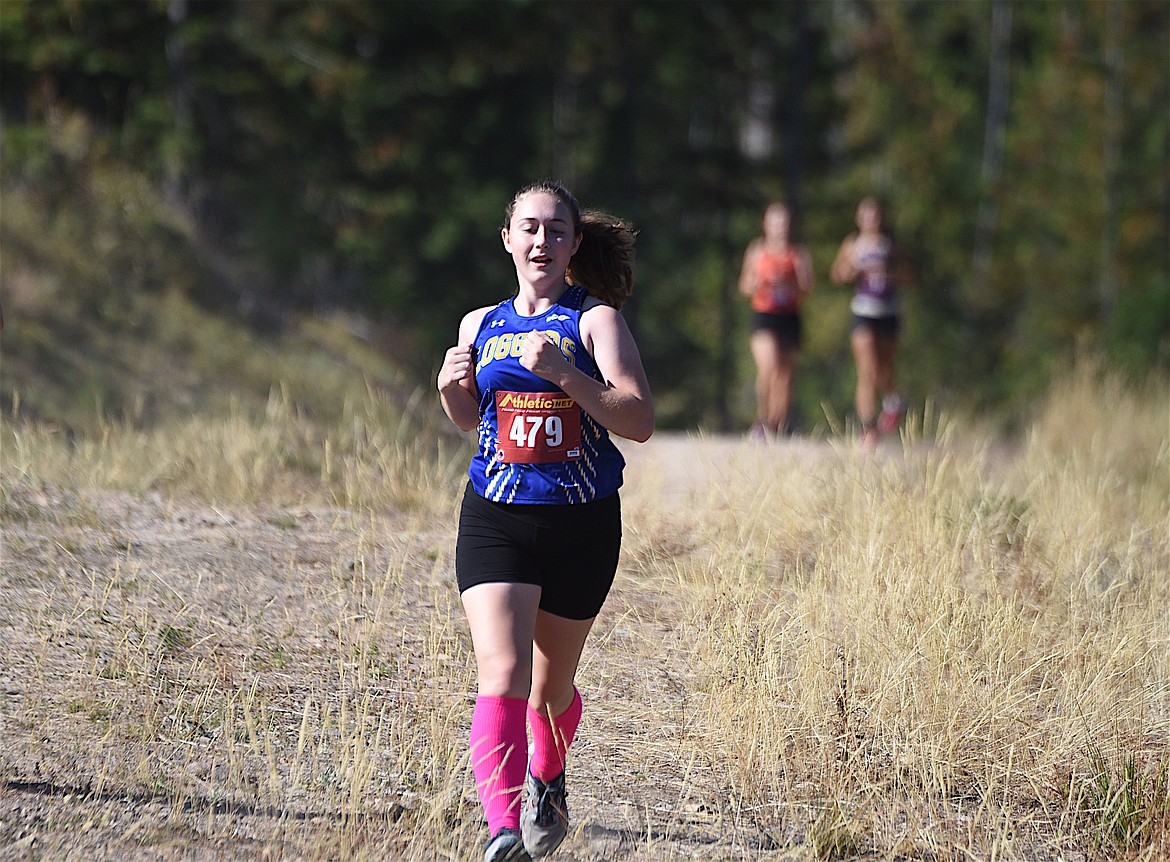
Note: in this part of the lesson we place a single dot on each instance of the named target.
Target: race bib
(537, 427)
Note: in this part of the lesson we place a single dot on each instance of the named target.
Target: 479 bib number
(538, 427)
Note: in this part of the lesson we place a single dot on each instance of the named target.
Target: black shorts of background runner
(786, 327)
(882, 326)
(570, 551)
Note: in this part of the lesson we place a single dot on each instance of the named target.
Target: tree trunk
(796, 133)
(180, 85)
(1113, 120)
(993, 141)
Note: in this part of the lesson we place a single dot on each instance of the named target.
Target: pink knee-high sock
(551, 740)
(498, 745)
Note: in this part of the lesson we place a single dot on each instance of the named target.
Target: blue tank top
(535, 444)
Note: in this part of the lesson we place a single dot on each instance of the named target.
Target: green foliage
(1136, 338)
(1125, 801)
(272, 156)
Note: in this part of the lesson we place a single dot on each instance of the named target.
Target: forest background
(279, 163)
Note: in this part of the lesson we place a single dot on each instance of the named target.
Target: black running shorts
(883, 327)
(785, 327)
(569, 551)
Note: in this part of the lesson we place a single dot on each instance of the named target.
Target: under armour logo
(495, 323)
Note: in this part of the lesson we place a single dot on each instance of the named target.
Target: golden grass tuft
(241, 634)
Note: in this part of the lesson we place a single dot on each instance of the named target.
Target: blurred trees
(359, 153)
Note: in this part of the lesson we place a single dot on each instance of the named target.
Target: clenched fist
(543, 357)
(458, 367)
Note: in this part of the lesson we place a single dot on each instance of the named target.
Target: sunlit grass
(378, 453)
(952, 649)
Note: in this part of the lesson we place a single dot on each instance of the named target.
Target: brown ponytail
(604, 262)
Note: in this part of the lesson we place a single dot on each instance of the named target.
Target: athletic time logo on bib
(537, 427)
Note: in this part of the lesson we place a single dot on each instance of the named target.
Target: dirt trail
(683, 465)
(117, 612)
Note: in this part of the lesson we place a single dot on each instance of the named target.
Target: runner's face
(869, 216)
(776, 222)
(540, 238)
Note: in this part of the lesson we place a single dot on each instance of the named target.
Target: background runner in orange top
(777, 276)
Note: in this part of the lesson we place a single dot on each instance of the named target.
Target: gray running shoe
(544, 819)
(506, 846)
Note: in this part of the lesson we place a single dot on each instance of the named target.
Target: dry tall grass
(948, 651)
(938, 655)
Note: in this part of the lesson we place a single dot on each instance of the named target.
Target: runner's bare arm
(622, 403)
(747, 273)
(843, 269)
(457, 391)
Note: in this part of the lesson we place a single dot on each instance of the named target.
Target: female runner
(871, 261)
(544, 376)
(777, 276)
